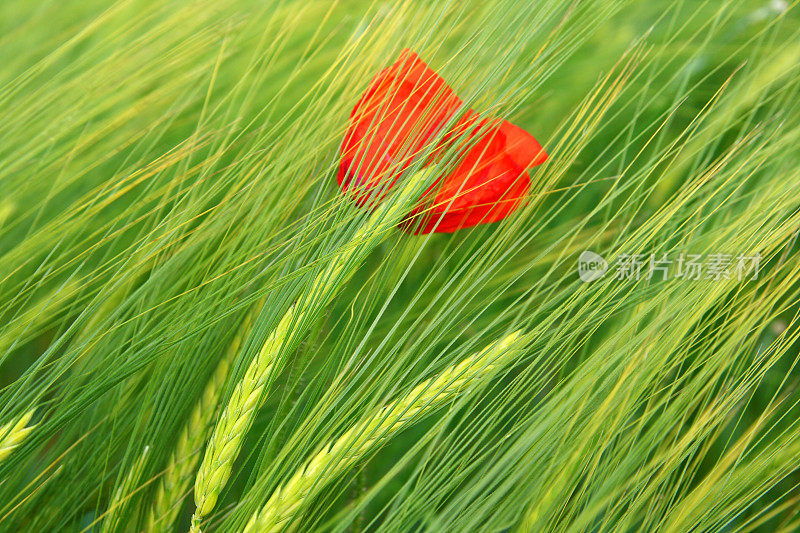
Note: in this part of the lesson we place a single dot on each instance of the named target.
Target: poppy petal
(404, 107)
(401, 115)
(521, 146)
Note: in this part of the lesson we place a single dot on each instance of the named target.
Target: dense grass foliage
(168, 193)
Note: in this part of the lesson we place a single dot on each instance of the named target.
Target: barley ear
(369, 434)
(233, 424)
(178, 474)
(13, 433)
(223, 447)
(177, 478)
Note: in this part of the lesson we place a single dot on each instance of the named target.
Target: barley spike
(223, 447)
(365, 436)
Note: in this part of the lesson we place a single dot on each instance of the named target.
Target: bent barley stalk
(177, 476)
(366, 436)
(13, 433)
(238, 414)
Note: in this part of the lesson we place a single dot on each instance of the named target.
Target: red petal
(402, 111)
(404, 107)
(521, 146)
(486, 186)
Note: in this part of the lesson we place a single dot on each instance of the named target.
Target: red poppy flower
(403, 111)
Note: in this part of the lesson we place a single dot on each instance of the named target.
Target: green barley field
(399, 266)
